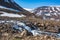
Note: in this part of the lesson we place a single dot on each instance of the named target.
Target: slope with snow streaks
(47, 12)
(11, 15)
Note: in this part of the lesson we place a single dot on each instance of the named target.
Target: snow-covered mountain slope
(27, 9)
(30, 10)
(47, 12)
(10, 14)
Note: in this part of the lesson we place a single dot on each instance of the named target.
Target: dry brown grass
(33, 20)
(42, 37)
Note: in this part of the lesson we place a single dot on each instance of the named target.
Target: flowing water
(34, 30)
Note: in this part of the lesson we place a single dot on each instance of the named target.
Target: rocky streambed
(19, 29)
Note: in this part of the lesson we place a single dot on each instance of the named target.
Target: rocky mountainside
(48, 12)
(8, 12)
(12, 7)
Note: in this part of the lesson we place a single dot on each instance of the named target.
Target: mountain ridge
(47, 12)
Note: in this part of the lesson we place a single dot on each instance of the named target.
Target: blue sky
(37, 3)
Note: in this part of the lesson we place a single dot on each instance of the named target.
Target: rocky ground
(8, 33)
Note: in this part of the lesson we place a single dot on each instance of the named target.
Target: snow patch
(30, 10)
(48, 14)
(58, 9)
(11, 15)
(27, 9)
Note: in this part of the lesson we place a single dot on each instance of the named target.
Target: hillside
(48, 12)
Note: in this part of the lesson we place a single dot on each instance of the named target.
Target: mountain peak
(48, 12)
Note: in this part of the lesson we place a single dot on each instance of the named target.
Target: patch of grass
(17, 39)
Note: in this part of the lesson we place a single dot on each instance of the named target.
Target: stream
(34, 30)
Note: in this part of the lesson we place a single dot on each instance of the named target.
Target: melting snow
(53, 9)
(30, 10)
(20, 23)
(48, 14)
(21, 26)
(11, 15)
(39, 13)
(27, 9)
(58, 9)
(52, 18)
